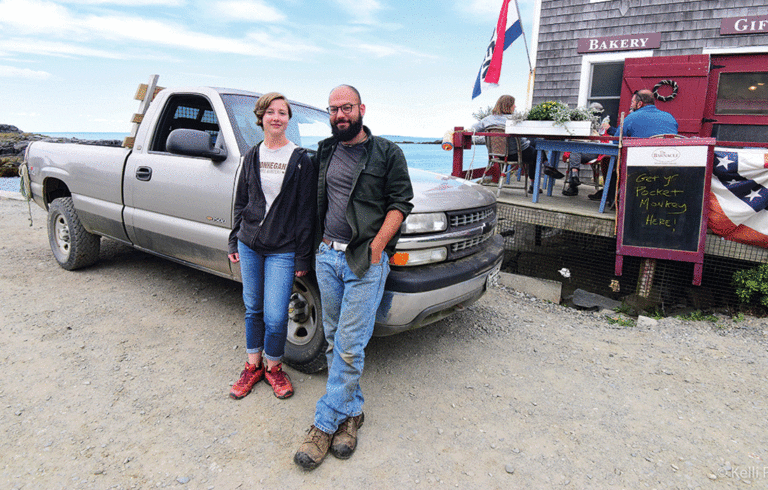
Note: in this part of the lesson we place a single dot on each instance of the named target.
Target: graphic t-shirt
(273, 164)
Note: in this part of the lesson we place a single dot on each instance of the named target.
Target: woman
(504, 107)
(272, 239)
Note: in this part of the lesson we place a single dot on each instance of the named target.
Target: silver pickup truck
(172, 195)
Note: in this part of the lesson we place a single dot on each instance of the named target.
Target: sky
(74, 65)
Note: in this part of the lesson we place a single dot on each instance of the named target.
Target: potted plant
(554, 118)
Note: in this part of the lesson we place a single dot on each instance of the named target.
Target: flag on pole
(508, 28)
(738, 204)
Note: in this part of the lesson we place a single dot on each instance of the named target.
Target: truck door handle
(707, 120)
(144, 173)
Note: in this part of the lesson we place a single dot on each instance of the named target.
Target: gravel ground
(116, 376)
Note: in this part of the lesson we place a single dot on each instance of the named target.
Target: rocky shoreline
(13, 143)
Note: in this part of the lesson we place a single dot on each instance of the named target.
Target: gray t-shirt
(339, 186)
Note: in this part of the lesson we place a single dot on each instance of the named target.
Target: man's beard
(348, 134)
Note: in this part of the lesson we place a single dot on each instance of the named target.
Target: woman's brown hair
(263, 103)
(505, 105)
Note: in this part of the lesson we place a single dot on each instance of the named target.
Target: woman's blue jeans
(349, 311)
(267, 285)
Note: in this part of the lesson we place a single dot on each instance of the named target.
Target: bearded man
(364, 194)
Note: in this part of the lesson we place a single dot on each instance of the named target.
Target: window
(185, 112)
(307, 126)
(601, 79)
(605, 88)
(742, 94)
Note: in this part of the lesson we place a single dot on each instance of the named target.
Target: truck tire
(72, 246)
(305, 345)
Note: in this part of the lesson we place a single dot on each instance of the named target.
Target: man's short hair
(263, 103)
(353, 89)
(646, 97)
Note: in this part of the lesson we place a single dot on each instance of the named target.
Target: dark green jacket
(381, 183)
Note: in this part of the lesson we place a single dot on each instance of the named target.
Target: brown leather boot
(345, 439)
(313, 450)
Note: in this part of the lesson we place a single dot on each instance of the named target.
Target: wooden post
(145, 95)
(458, 152)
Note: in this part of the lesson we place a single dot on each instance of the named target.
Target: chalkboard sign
(662, 209)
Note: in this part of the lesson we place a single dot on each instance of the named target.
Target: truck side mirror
(195, 144)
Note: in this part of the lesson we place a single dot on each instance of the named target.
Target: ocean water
(423, 156)
(89, 136)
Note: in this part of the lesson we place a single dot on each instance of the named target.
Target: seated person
(576, 159)
(643, 121)
(504, 107)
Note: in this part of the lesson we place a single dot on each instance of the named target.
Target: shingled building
(706, 60)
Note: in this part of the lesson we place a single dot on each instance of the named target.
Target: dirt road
(117, 376)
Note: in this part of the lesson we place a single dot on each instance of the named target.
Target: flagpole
(525, 40)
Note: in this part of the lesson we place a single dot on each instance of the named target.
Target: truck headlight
(424, 223)
(419, 257)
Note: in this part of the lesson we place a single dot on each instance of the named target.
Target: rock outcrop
(13, 143)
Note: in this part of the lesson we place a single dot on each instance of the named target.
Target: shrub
(752, 285)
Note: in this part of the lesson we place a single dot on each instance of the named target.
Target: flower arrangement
(559, 113)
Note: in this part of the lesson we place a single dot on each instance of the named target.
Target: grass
(623, 321)
(698, 316)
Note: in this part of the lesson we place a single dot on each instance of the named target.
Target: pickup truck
(172, 195)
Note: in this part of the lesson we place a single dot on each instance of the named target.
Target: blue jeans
(349, 311)
(266, 308)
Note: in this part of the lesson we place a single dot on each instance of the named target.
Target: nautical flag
(739, 196)
(508, 28)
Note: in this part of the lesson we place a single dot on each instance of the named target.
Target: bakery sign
(619, 43)
(744, 25)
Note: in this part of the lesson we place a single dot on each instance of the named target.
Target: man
(644, 121)
(364, 194)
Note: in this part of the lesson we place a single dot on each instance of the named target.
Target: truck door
(737, 99)
(180, 206)
(679, 84)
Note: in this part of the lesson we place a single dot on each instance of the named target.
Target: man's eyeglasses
(346, 108)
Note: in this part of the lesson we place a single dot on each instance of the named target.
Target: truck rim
(302, 314)
(61, 235)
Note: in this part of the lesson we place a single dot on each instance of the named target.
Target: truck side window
(185, 112)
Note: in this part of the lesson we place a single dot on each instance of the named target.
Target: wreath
(665, 98)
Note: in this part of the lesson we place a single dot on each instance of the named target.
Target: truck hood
(434, 192)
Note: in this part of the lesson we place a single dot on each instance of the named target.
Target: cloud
(381, 51)
(35, 16)
(484, 10)
(132, 3)
(247, 11)
(41, 16)
(361, 11)
(13, 72)
(53, 48)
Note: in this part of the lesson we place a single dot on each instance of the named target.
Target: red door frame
(731, 63)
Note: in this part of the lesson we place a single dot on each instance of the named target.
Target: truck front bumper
(415, 297)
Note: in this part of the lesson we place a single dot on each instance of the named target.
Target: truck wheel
(305, 346)
(73, 247)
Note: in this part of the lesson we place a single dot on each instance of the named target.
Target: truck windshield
(307, 126)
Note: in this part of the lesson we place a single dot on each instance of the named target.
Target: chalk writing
(663, 206)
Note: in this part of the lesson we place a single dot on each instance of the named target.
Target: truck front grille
(471, 243)
(471, 217)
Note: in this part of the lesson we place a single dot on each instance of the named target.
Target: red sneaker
(279, 381)
(251, 375)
